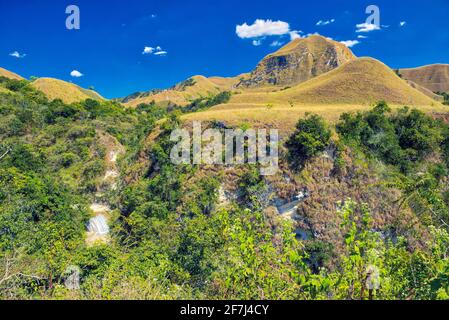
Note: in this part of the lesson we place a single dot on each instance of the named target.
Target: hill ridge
(364, 80)
(299, 61)
(9, 74)
(434, 77)
(66, 91)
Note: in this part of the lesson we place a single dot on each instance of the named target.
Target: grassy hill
(67, 92)
(434, 77)
(185, 92)
(299, 61)
(9, 74)
(356, 85)
(364, 81)
(426, 91)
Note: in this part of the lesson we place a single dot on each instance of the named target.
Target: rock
(288, 208)
(111, 174)
(72, 278)
(302, 234)
(299, 61)
(222, 197)
(99, 208)
(113, 156)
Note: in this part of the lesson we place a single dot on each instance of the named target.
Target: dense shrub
(311, 137)
(204, 103)
(402, 138)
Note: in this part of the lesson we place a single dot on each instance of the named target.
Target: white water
(98, 225)
(98, 228)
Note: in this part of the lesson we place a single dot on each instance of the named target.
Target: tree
(311, 137)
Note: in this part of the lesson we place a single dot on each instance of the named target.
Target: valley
(89, 192)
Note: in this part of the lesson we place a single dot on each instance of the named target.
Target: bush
(445, 96)
(417, 131)
(402, 139)
(67, 159)
(203, 103)
(311, 137)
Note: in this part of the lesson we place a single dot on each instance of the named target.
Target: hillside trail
(98, 231)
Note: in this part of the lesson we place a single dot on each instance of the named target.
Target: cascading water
(98, 225)
(98, 228)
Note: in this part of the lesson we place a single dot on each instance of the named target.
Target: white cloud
(17, 55)
(161, 53)
(261, 28)
(276, 43)
(295, 35)
(367, 27)
(257, 43)
(361, 37)
(325, 22)
(157, 51)
(148, 50)
(350, 43)
(76, 74)
(153, 16)
(402, 23)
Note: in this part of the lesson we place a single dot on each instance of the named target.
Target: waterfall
(98, 225)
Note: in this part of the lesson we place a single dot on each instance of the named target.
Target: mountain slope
(67, 92)
(9, 74)
(433, 77)
(364, 80)
(426, 91)
(183, 93)
(299, 61)
(353, 87)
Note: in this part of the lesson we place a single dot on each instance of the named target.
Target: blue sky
(199, 37)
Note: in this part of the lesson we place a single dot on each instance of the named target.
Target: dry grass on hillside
(433, 77)
(426, 91)
(281, 116)
(363, 81)
(9, 74)
(314, 43)
(298, 61)
(183, 95)
(355, 86)
(67, 92)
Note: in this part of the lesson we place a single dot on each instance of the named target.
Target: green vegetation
(187, 83)
(311, 137)
(172, 237)
(401, 139)
(445, 96)
(205, 103)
